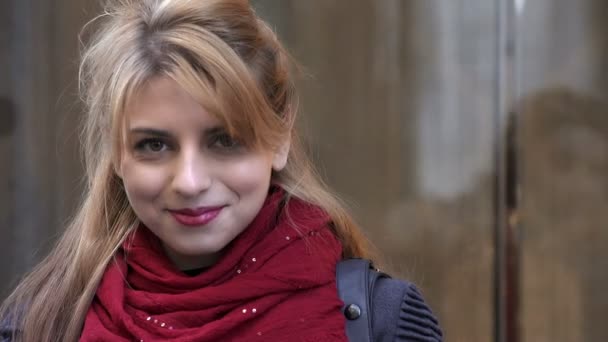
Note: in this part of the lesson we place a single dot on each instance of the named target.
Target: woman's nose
(192, 174)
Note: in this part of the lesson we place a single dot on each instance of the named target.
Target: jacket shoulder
(400, 313)
(8, 326)
(7, 331)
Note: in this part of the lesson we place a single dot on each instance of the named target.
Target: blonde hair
(229, 60)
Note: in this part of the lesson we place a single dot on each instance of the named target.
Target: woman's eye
(224, 140)
(151, 145)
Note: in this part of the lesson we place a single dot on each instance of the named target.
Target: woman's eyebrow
(150, 131)
(214, 130)
(163, 133)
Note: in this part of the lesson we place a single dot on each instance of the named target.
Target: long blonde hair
(229, 60)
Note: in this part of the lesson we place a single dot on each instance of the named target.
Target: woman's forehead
(162, 103)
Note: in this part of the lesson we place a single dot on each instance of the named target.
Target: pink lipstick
(196, 217)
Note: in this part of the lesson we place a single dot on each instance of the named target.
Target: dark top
(400, 314)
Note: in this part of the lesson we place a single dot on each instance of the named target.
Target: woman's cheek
(249, 174)
(143, 182)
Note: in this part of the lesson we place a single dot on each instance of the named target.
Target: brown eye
(156, 146)
(224, 140)
(151, 145)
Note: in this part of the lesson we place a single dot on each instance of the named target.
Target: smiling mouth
(196, 217)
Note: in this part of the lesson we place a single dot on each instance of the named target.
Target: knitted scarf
(275, 282)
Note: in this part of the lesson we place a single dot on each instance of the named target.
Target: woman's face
(187, 180)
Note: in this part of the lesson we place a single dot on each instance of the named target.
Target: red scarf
(275, 282)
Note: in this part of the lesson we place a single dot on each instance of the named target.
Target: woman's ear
(280, 155)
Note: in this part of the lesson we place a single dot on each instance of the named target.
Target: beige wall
(40, 171)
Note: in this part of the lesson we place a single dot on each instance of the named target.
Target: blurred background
(470, 138)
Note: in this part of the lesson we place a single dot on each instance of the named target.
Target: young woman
(203, 219)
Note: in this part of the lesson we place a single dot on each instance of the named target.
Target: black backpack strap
(355, 284)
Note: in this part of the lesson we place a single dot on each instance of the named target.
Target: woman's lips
(196, 217)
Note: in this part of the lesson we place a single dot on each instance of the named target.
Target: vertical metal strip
(512, 236)
(506, 237)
